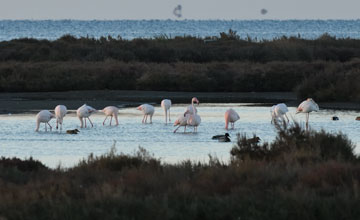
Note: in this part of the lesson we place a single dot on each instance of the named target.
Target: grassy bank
(326, 69)
(301, 175)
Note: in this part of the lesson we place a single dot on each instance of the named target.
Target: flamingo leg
(307, 121)
(169, 115)
(57, 124)
(287, 118)
(116, 120)
(143, 119)
(90, 122)
(111, 119)
(184, 128)
(45, 127)
(166, 117)
(49, 126)
(105, 120)
(85, 122)
(150, 119)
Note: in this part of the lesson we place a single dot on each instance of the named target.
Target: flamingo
(60, 112)
(166, 104)
(181, 121)
(194, 119)
(191, 107)
(231, 116)
(279, 111)
(111, 111)
(84, 112)
(307, 106)
(147, 110)
(44, 116)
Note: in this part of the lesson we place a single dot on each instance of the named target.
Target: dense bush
(295, 143)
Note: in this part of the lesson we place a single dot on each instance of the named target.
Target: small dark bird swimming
(335, 118)
(75, 131)
(357, 118)
(220, 136)
(254, 139)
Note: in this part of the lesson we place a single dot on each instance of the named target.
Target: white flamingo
(44, 116)
(60, 112)
(191, 107)
(278, 112)
(307, 106)
(147, 110)
(84, 112)
(166, 104)
(194, 119)
(111, 111)
(231, 116)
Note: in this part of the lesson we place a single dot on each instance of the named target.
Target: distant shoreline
(29, 102)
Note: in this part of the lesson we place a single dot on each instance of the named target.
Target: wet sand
(35, 101)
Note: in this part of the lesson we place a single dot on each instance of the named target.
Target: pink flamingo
(194, 119)
(44, 116)
(191, 108)
(166, 104)
(84, 112)
(147, 110)
(181, 121)
(60, 112)
(307, 106)
(111, 111)
(231, 116)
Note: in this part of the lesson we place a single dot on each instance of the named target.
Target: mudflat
(34, 101)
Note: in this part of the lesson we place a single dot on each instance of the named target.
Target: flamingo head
(195, 100)
(140, 108)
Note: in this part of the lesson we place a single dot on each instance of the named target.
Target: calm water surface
(18, 138)
(129, 29)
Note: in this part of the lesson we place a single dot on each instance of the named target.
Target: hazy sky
(191, 9)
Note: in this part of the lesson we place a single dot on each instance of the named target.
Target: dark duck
(75, 131)
(222, 138)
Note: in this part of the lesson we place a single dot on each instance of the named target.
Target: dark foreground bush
(295, 143)
(117, 186)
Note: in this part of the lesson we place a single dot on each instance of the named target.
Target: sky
(191, 9)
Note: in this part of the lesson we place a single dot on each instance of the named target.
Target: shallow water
(18, 138)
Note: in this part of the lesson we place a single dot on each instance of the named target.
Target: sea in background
(130, 29)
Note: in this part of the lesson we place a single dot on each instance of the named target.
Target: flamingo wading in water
(60, 112)
(194, 119)
(231, 116)
(84, 112)
(44, 116)
(278, 111)
(166, 104)
(307, 106)
(147, 110)
(111, 111)
(182, 119)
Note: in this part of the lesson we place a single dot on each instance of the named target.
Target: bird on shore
(231, 116)
(60, 112)
(84, 112)
(222, 137)
(74, 131)
(147, 110)
(166, 104)
(278, 112)
(335, 118)
(254, 139)
(307, 106)
(111, 111)
(44, 116)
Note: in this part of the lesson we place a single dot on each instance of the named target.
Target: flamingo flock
(190, 117)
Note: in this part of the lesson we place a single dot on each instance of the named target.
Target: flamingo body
(166, 104)
(60, 112)
(111, 111)
(181, 122)
(84, 112)
(148, 110)
(307, 106)
(44, 116)
(231, 116)
(194, 119)
(279, 111)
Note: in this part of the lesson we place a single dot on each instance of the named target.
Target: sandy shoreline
(34, 101)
